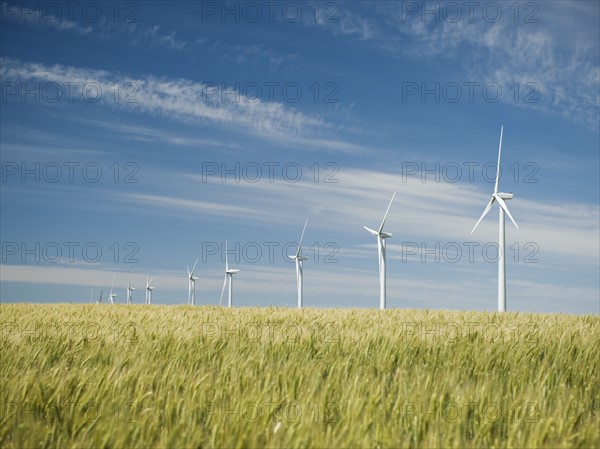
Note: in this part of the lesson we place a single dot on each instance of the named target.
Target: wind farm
(335, 225)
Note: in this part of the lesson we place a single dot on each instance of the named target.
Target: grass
(154, 376)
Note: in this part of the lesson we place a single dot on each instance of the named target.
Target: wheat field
(101, 376)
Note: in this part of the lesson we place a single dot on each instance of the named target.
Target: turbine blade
(226, 260)
(505, 207)
(372, 231)
(301, 237)
(386, 212)
(487, 209)
(194, 268)
(498, 166)
(188, 268)
(223, 291)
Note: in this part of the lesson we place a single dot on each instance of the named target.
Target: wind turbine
(381, 236)
(500, 197)
(130, 290)
(192, 285)
(112, 296)
(229, 272)
(149, 289)
(100, 300)
(299, 259)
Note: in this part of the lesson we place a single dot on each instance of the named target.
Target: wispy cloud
(14, 12)
(190, 102)
(505, 52)
(422, 212)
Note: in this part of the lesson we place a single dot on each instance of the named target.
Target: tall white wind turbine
(229, 272)
(381, 236)
(112, 296)
(192, 285)
(500, 197)
(149, 289)
(130, 290)
(299, 258)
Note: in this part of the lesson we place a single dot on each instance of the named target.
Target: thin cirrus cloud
(22, 15)
(187, 101)
(438, 211)
(506, 51)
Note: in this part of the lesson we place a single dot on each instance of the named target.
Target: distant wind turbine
(100, 300)
(381, 236)
(192, 285)
(500, 197)
(299, 258)
(130, 290)
(149, 289)
(229, 272)
(112, 296)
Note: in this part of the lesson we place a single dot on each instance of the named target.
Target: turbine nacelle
(383, 235)
(505, 196)
(298, 257)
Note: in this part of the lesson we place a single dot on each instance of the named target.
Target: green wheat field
(83, 376)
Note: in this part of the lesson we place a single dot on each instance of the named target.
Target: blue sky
(138, 136)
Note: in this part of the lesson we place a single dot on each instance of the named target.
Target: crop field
(188, 377)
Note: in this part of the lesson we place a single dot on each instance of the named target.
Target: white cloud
(557, 53)
(187, 101)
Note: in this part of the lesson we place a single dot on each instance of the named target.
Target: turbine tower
(192, 285)
(149, 289)
(229, 272)
(299, 258)
(112, 296)
(130, 290)
(500, 197)
(381, 236)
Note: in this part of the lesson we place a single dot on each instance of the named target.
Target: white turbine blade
(386, 212)
(505, 207)
(498, 166)
(223, 291)
(301, 237)
(372, 231)
(487, 209)
(188, 268)
(194, 267)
